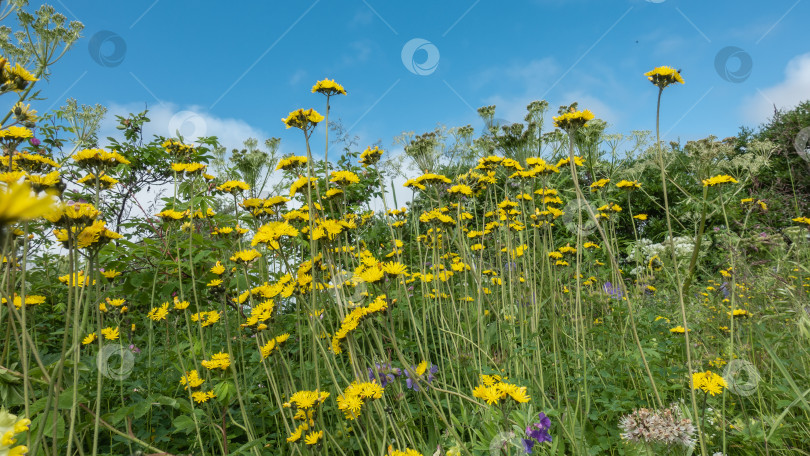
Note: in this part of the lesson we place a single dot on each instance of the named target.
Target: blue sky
(235, 69)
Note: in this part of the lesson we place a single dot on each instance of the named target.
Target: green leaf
(183, 423)
(225, 392)
(243, 449)
(66, 399)
(165, 400)
(49, 428)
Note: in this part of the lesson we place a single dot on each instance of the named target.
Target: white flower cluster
(667, 427)
(645, 250)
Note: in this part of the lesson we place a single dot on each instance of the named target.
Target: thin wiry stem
(681, 289)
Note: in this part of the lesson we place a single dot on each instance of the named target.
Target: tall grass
(519, 284)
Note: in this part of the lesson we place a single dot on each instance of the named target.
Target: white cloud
(362, 17)
(298, 76)
(586, 101)
(787, 94)
(401, 194)
(191, 121)
(521, 81)
(525, 74)
(526, 83)
(354, 53)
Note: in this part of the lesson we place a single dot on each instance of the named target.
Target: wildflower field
(549, 288)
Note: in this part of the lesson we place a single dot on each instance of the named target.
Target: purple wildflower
(725, 289)
(384, 373)
(528, 445)
(613, 292)
(35, 142)
(537, 433)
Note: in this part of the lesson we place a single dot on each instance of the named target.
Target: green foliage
(227, 315)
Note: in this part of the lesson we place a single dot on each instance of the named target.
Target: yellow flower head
(664, 76)
(110, 274)
(177, 148)
(232, 186)
(202, 396)
(599, 184)
(218, 269)
(76, 280)
(191, 379)
(159, 313)
(343, 178)
(313, 437)
(328, 88)
(573, 120)
(460, 189)
(270, 233)
(32, 162)
(188, 168)
(110, 333)
(89, 339)
(15, 78)
(104, 181)
(15, 133)
(245, 256)
(24, 113)
(742, 313)
(220, 360)
(303, 119)
(292, 162)
(405, 452)
(718, 180)
(98, 158)
(370, 156)
(629, 185)
(709, 382)
(18, 203)
(301, 183)
(10, 426)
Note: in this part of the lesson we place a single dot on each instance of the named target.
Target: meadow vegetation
(549, 288)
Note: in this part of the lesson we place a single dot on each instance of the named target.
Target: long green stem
(681, 290)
